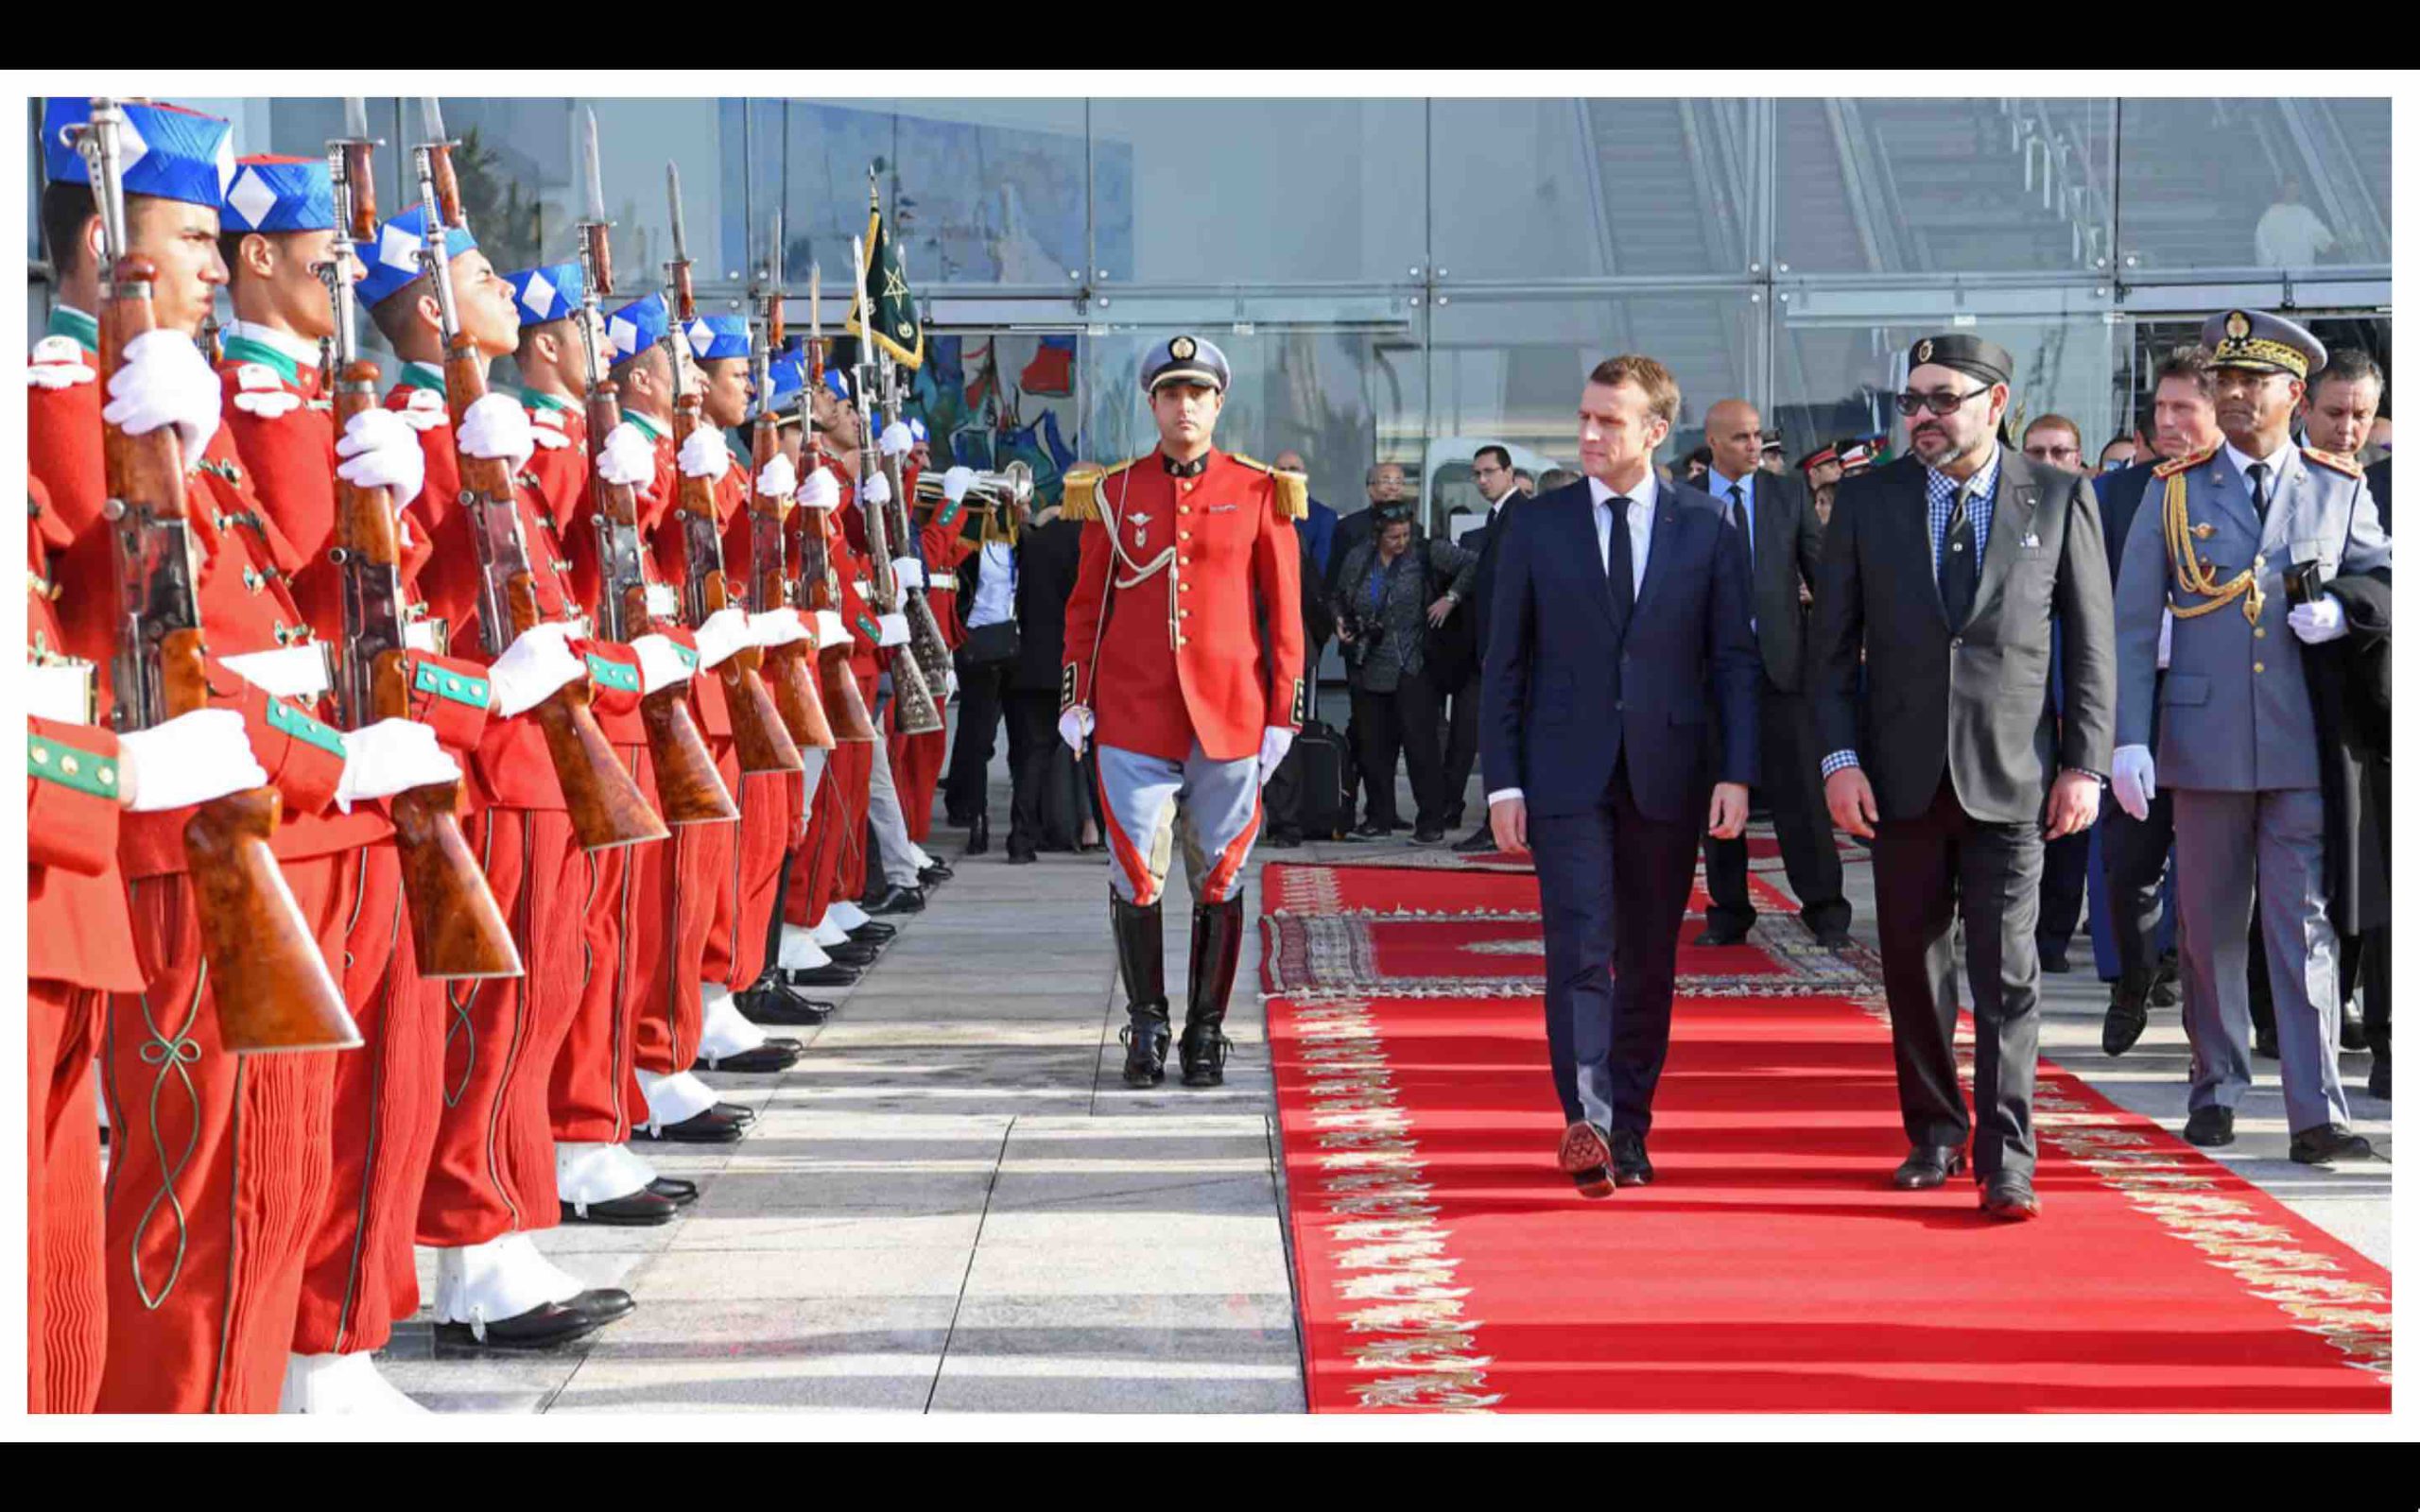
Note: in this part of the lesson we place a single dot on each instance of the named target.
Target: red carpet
(1444, 1263)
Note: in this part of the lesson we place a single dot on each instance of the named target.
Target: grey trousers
(2224, 841)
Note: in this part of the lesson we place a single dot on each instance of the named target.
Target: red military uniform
(79, 945)
(219, 1176)
(916, 760)
(816, 869)
(1175, 647)
(387, 1097)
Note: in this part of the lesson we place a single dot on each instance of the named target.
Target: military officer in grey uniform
(2219, 536)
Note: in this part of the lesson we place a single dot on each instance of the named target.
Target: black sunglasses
(1912, 403)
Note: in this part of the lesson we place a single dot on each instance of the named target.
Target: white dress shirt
(995, 587)
(2275, 461)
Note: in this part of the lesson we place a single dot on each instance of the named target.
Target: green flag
(897, 328)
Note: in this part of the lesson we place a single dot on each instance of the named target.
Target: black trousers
(2065, 865)
(1793, 787)
(1407, 721)
(980, 692)
(1032, 721)
(1926, 870)
(1461, 747)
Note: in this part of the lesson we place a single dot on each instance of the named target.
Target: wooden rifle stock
(459, 931)
(845, 706)
(689, 787)
(762, 739)
(918, 712)
(271, 988)
(788, 669)
(607, 808)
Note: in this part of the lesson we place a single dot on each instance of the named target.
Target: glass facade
(1405, 279)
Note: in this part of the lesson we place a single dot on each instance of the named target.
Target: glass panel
(1573, 188)
(1510, 371)
(1834, 381)
(1221, 191)
(1942, 185)
(2243, 183)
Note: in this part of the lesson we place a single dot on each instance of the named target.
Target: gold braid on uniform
(1290, 496)
(2193, 573)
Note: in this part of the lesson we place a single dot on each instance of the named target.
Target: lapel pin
(2204, 531)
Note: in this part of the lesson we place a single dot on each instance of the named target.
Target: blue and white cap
(916, 429)
(789, 373)
(275, 194)
(393, 259)
(165, 151)
(549, 293)
(724, 336)
(835, 380)
(638, 326)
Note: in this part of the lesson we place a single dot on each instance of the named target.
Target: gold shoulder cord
(2192, 574)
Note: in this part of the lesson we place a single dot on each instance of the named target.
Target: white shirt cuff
(1501, 793)
(1838, 761)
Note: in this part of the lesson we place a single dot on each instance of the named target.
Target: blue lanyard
(1378, 584)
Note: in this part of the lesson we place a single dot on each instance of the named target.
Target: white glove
(1275, 743)
(190, 759)
(704, 455)
(2166, 629)
(951, 677)
(661, 663)
(777, 626)
(778, 478)
(830, 629)
(895, 630)
(909, 571)
(723, 635)
(548, 434)
(2132, 780)
(381, 452)
(389, 757)
(627, 459)
(663, 601)
(2320, 620)
(876, 489)
(163, 379)
(538, 661)
(820, 490)
(897, 439)
(1073, 726)
(497, 428)
(955, 482)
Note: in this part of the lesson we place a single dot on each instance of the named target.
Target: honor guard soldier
(1188, 550)
(2262, 554)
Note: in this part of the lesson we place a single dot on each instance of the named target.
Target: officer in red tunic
(916, 760)
(493, 1180)
(217, 1180)
(1192, 707)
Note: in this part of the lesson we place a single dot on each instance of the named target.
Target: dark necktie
(1618, 557)
(2258, 472)
(1747, 536)
(1958, 565)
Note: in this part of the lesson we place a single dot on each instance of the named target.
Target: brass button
(1184, 613)
(1184, 509)
(2258, 633)
(42, 754)
(1184, 535)
(1180, 639)
(1185, 588)
(1188, 488)
(1184, 561)
(2258, 667)
(108, 776)
(68, 765)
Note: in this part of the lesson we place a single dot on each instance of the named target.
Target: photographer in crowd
(1385, 605)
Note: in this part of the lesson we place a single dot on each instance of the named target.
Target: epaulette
(2333, 461)
(1289, 492)
(1079, 496)
(2178, 464)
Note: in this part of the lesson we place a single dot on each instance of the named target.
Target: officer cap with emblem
(1185, 360)
(164, 151)
(2264, 342)
(393, 259)
(1971, 355)
(272, 194)
(638, 326)
(724, 336)
(552, 292)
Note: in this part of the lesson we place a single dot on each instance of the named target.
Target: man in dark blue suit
(1617, 627)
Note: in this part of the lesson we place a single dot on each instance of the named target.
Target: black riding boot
(1218, 942)
(1142, 962)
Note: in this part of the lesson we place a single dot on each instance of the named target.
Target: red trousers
(66, 1317)
(492, 1172)
(360, 1280)
(674, 896)
(856, 793)
(218, 1172)
(593, 1080)
(769, 820)
(916, 767)
(815, 866)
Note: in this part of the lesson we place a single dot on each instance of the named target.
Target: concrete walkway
(952, 1203)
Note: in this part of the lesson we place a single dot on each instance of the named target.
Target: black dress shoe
(831, 974)
(1022, 858)
(2007, 1196)
(715, 1126)
(680, 1192)
(2382, 1078)
(2350, 1039)
(1595, 1182)
(2210, 1127)
(978, 836)
(1478, 842)
(939, 871)
(856, 953)
(2121, 1026)
(2055, 962)
(773, 1002)
(2264, 1043)
(2164, 991)
(1429, 838)
(642, 1208)
(1721, 935)
(603, 1303)
(2325, 1143)
(771, 1057)
(1927, 1166)
(1373, 830)
(1585, 1147)
(1630, 1158)
(896, 901)
(873, 930)
(542, 1327)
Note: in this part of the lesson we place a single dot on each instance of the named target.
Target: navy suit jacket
(1569, 685)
